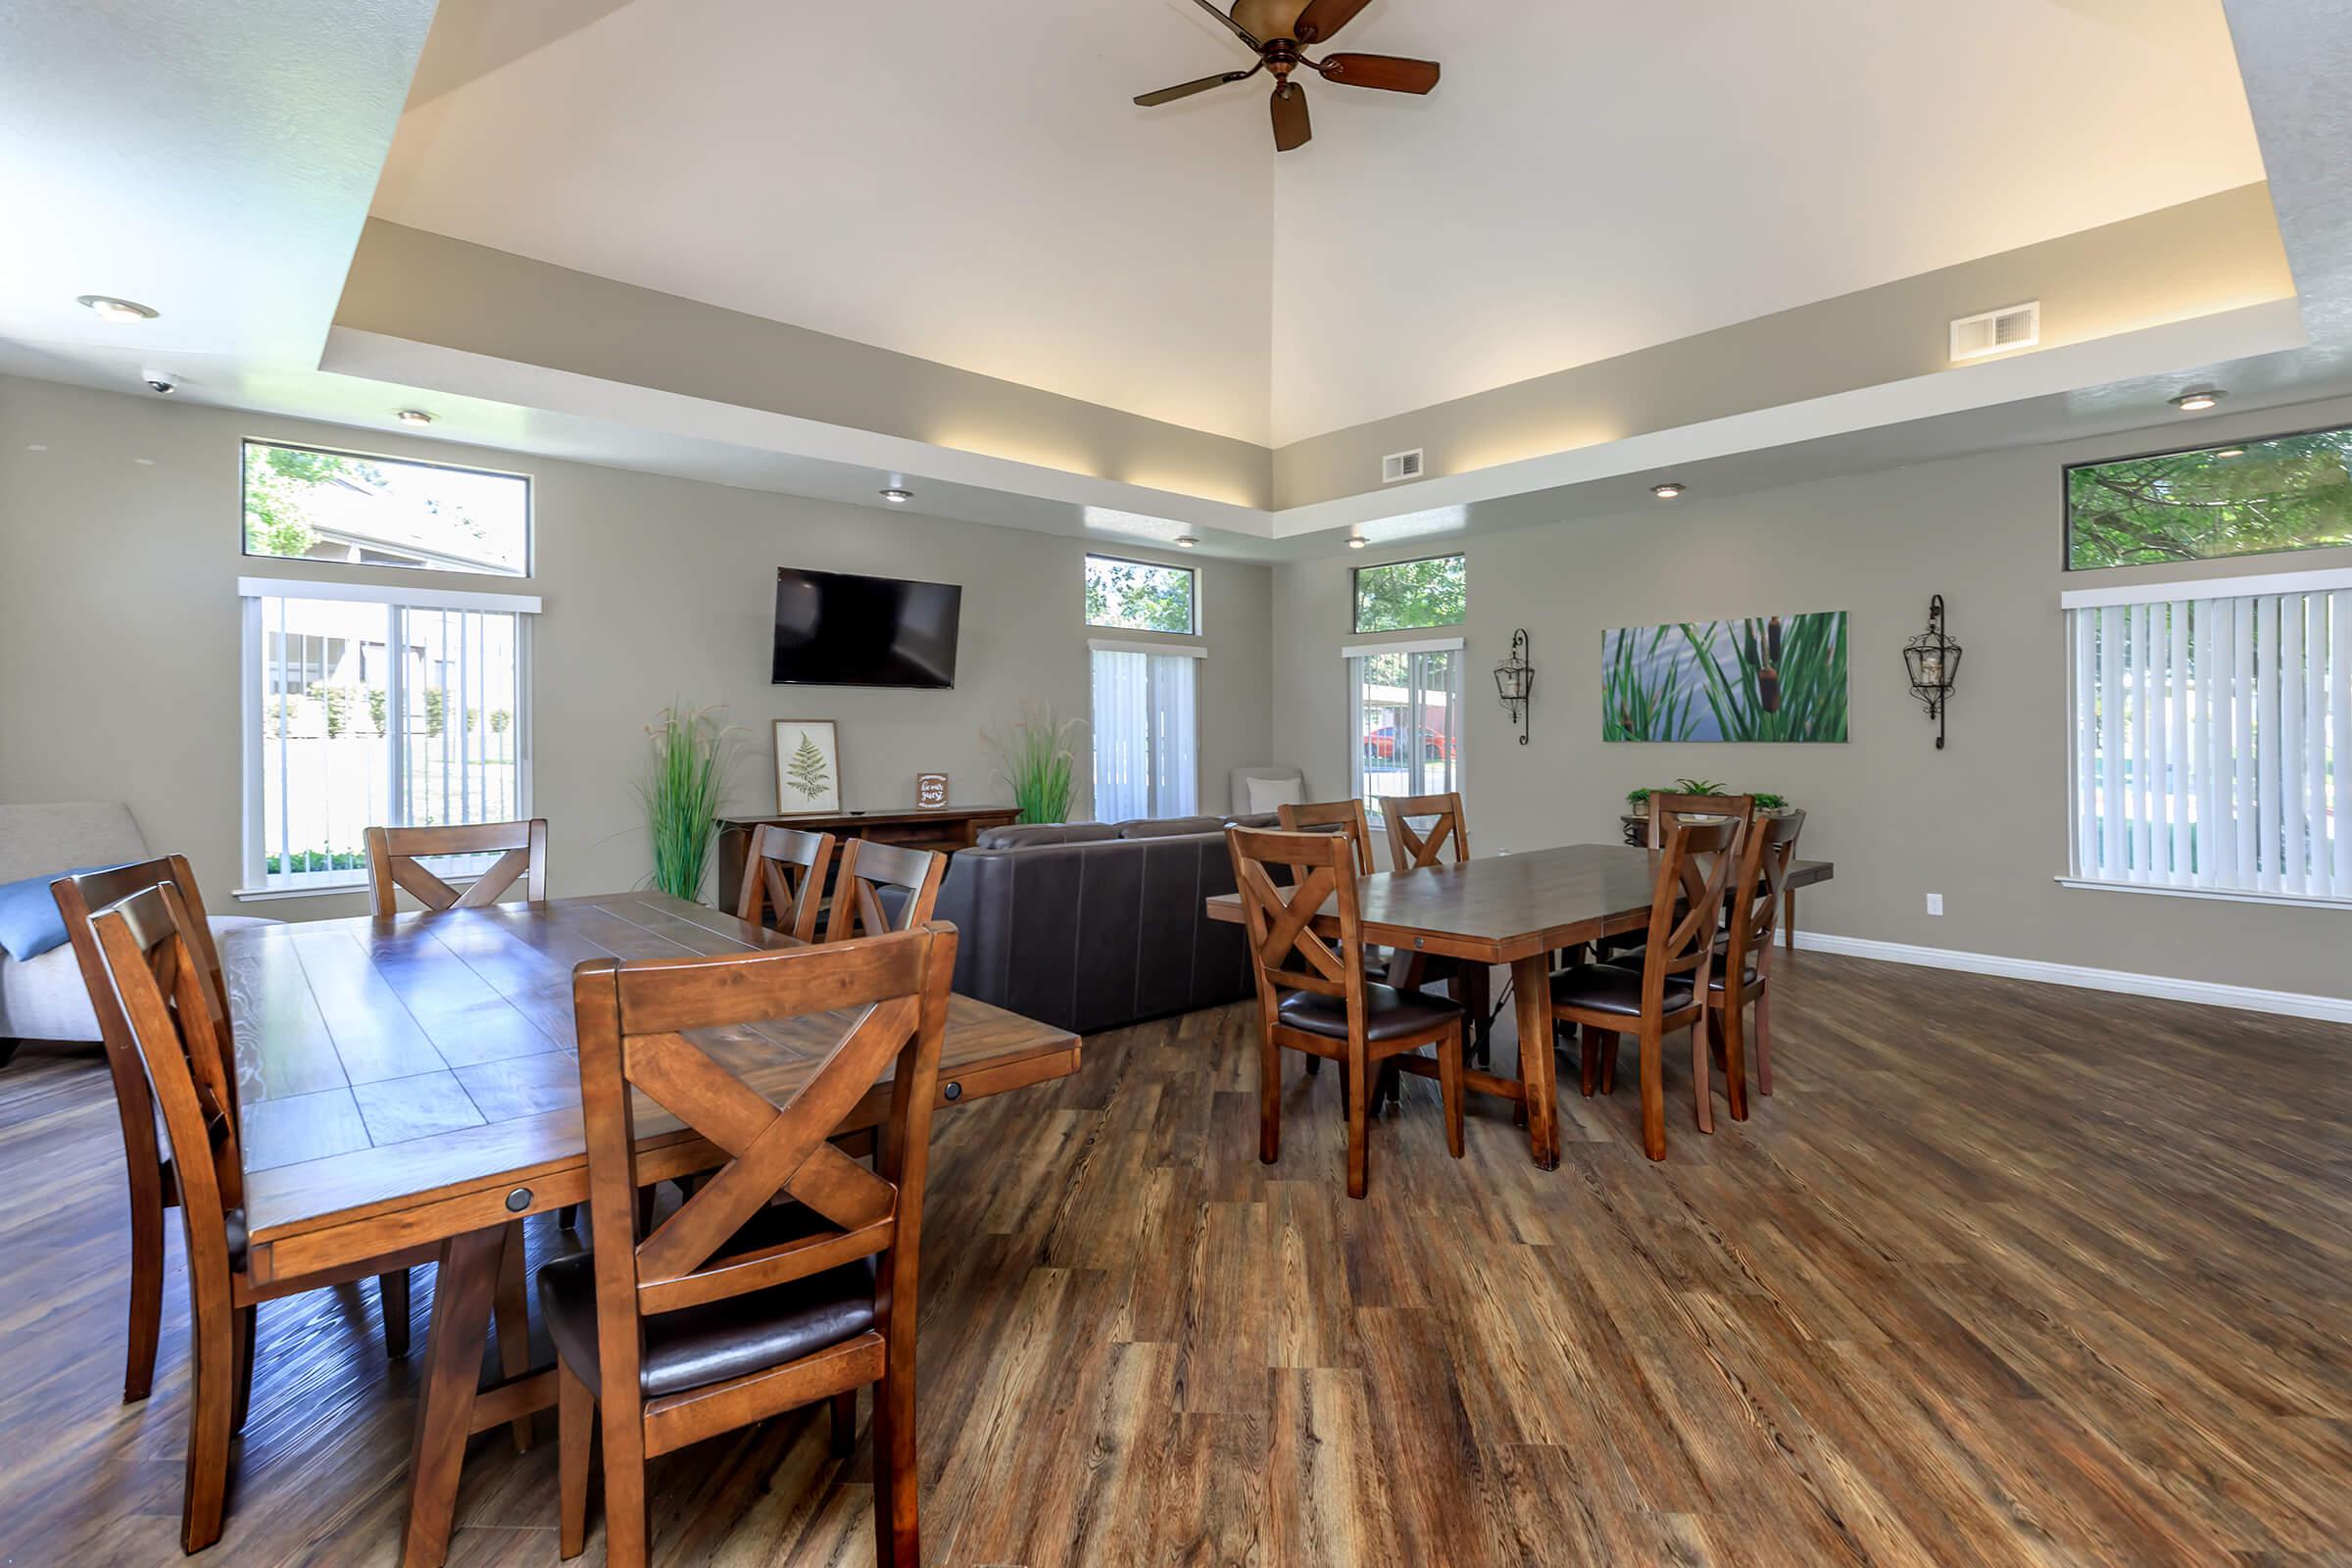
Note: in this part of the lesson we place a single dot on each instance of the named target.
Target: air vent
(2013, 326)
(1401, 465)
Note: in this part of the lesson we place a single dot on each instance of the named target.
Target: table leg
(1789, 919)
(1530, 986)
(453, 1372)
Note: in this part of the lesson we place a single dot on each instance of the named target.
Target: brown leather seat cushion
(1388, 1014)
(723, 1339)
(1613, 988)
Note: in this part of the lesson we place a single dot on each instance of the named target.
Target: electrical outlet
(1934, 903)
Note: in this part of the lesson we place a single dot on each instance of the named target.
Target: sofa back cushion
(1168, 827)
(45, 841)
(1021, 834)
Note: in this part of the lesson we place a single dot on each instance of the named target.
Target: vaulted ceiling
(970, 182)
(824, 248)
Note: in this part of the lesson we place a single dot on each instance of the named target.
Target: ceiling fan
(1281, 31)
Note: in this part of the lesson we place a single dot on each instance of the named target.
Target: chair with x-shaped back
(1444, 838)
(738, 1307)
(883, 888)
(153, 1185)
(785, 871)
(1313, 994)
(393, 853)
(160, 969)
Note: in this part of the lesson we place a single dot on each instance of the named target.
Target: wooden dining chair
(785, 871)
(1666, 808)
(154, 1186)
(156, 964)
(393, 853)
(1347, 817)
(738, 1307)
(1411, 847)
(1444, 840)
(883, 888)
(1667, 988)
(1743, 961)
(1313, 994)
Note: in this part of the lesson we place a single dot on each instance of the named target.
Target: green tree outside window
(1407, 594)
(2290, 493)
(1136, 596)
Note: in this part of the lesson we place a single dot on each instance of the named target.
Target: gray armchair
(43, 998)
(1276, 772)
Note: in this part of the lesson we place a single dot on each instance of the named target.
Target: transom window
(1139, 596)
(1405, 594)
(2291, 492)
(311, 504)
(366, 706)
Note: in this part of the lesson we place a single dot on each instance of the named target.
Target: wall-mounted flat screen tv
(835, 628)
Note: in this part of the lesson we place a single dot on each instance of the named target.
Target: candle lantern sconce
(1934, 661)
(1516, 682)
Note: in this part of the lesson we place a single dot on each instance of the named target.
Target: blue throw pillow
(29, 924)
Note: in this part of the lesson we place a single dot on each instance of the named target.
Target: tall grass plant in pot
(680, 792)
(1038, 761)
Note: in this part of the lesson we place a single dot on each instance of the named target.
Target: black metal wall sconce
(1516, 682)
(1934, 660)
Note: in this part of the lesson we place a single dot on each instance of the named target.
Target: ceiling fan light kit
(1280, 31)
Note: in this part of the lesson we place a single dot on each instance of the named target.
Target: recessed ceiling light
(1357, 542)
(2230, 452)
(1667, 491)
(106, 308)
(413, 416)
(2197, 402)
(1186, 541)
(898, 497)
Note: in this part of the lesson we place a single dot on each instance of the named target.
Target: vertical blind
(369, 710)
(2212, 741)
(1146, 761)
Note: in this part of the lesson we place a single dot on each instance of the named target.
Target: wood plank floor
(2002, 1274)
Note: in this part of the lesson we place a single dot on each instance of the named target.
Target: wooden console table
(944, 828)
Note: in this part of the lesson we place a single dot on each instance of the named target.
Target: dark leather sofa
(1091, 925)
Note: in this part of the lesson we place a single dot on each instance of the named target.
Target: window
(1147, 758)
(1137, 595)
(1407, 702)
(366, 706)
(2213, 736)
(2293, 492)
(1409, 593)
(307, 503)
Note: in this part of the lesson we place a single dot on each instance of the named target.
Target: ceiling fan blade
(1168, 95)
(1324, 17)
(1237, 30)
(1291, 127)
(1388, 72)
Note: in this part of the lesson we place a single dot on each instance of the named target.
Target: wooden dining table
(1518, 909)
(411, 1081)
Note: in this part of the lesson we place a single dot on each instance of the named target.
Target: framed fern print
(808, 766)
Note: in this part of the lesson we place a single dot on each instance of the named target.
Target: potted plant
(1038, 764)
(680, 792)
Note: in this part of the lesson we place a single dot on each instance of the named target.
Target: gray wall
(1983, 822)
(118, 631)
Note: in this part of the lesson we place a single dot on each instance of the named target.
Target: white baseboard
(2292, 1004)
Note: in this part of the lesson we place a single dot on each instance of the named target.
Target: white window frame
(251, 591)
(1353, 652)
(2332, 706)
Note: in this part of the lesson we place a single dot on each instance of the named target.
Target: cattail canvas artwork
(1763, 678)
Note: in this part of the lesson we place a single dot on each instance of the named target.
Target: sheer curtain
(2213, 735)
(1147, 758)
